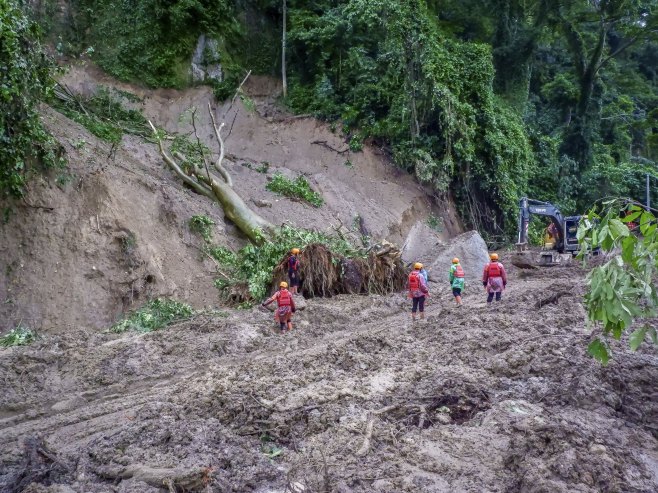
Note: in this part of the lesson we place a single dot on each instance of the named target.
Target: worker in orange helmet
(456, 278)
(293, 270)
(285, 306)
(417, 291)
(494, 278)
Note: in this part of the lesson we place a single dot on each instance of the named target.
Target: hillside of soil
(112, 231)
(355, 399)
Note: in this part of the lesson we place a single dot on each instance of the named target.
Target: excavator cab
(570, 234)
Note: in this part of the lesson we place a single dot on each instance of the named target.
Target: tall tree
(587, 27)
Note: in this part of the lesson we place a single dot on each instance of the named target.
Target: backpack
(414, 281)
(459, 272)
(494, 269)
(293, 263)
(284, 298)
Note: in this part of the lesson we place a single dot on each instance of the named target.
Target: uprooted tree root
(327, 274)
(39, 465)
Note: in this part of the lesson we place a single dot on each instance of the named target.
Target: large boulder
(469, 248)
(421, 245)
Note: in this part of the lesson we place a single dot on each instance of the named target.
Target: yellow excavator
(560, 240)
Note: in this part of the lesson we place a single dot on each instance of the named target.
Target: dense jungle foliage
(25, 79)
(485, 100)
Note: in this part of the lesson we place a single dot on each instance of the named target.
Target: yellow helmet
(295, 251)
(493, 256)
(418, 266)
(455, 260)
(283, 284)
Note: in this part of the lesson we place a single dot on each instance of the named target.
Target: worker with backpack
(293, 270)
(417, 291)
(456, 278)
(285, 306)
(494, 278)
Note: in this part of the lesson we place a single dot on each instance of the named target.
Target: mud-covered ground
(356, 398)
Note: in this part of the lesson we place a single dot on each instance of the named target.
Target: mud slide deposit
(355, 399)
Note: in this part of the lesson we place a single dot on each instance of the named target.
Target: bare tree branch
(174, 166)
(218, 164)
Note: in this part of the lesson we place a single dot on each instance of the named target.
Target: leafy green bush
(25, 80)
(297, 188)
(622, 292)
(103, 115)
(202, 225)
(254, 265)
(155, 315)
(19, 336)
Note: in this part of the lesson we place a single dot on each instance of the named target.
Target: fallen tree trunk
(218, 188)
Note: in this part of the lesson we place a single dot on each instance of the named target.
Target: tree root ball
(324, 273)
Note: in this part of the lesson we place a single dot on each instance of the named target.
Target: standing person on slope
(494, 278)
(456, 279)
(286, 306)
(417, 291)
(293, 270)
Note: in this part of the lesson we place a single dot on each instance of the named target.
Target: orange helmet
(455, 260)
(418, 266)
(493, 256)
(295, 251)
(283, 284)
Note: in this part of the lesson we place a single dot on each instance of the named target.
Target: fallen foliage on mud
(355, 399)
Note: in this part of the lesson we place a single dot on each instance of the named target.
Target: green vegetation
(298, 188)
(623, 292)
(155, 315)
(202, 225)
(435, 223)
(253, 265)
(147, 40)
(19, 336)
(488, 100)
(25, 80)
(102, 114)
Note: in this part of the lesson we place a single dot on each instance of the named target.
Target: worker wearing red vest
(285, 306)
(494, 278)
(417, 291)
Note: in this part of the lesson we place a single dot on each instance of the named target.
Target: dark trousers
(293, 277)
(491, 296)
(418, 304)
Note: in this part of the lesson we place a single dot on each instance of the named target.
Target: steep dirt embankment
(113, 229)
(355, 399)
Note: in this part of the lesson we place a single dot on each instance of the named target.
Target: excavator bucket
(528, 259)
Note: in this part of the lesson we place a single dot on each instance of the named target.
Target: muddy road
(355, 399)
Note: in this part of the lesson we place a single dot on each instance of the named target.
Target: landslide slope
(355, 399)
(112, 230)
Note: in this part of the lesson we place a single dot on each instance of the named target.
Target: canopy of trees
(485, 100)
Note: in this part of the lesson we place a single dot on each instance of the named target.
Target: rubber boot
(283, 327)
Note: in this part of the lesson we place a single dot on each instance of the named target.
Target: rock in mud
(469, 248)
(422, 244)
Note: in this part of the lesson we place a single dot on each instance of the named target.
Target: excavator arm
(528, 207)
